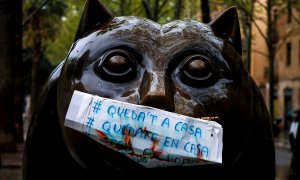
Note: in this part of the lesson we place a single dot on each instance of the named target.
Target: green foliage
(60, 18)
(164, 12)
(49, 16)
(124, 7)
(58, 48)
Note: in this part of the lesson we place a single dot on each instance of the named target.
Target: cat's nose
(155, 92)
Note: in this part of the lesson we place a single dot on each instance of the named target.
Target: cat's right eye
(117, 65)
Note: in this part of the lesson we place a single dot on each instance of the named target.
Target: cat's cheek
(183, 103)
(130, 96)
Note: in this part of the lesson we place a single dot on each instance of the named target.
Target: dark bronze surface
(184, 66)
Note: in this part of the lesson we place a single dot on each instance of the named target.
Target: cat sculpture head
(184, 66)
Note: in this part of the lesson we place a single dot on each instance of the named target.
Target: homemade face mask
(149, 136)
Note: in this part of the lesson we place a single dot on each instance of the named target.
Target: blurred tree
(122, 7)
(58, 48)
(246, 10)
(178, 9)
(44, 19)
(156, 10)
(205, 11)
(192, 9)
(188, 10)
(271, 44)
(18, 64)
(10, 72)
(272, 10)
(153, 8)
(248, 18)
(36, 44)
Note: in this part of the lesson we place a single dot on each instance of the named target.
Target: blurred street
(12, 162)
(11, 168)
(283, 156)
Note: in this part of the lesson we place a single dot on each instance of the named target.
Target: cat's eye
(196, 71)
(117, 65)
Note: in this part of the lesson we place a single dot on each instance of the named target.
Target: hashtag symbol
(89, 125)
(89, 122)
(96, 106)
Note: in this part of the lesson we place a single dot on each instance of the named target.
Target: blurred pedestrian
(293, 129)
(294, 172)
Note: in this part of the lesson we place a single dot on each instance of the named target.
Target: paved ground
(283, 156)
(282, 163)
(12, 162)
(11, 168)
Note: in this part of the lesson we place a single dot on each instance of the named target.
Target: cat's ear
(226, 26)
(94, 13)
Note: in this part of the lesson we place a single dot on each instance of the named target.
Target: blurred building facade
(286, 63)
(259, 52)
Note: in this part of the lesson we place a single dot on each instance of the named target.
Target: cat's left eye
(117, 65)
(196, 71)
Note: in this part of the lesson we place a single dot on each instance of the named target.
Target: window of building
(288, 53)
(289, 12)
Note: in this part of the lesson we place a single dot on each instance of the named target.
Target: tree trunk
(247, 22)
(7, 58)
(155, 13)
(205, 11)
(188, 9)
(18, 74)
(177, 11)
(270, 41)
(122, 7)
(35, 81)
(146, 7)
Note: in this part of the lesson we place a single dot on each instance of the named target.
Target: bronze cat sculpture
(183, 66)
